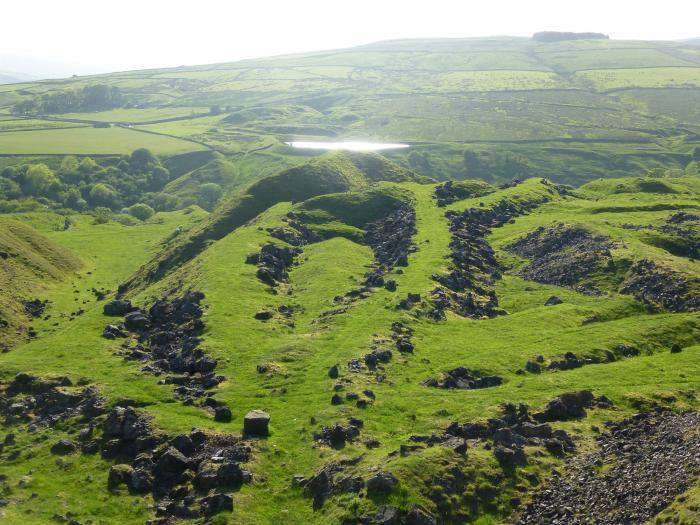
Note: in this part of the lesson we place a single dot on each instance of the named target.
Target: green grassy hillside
(30, 262)
(498, 324)
(330, 173)
(590, 248)
(574, 110)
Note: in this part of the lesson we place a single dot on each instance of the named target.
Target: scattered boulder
(256, 422)
(64, 447)
(463, 378)
(509, 457)
(553, 300)
(264, 315)
(381, 482)
(533, 367)
(117, 308)
(222, 414)
(136, 321)
(216, 503)
(337, 435)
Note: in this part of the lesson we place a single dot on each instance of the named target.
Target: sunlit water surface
(349, 146)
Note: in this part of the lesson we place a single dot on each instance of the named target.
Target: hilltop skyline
(156, 34)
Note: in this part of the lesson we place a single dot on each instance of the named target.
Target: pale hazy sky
(59, 37)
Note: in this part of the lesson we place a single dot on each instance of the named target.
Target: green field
(87, 140)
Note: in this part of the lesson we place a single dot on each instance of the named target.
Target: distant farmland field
(89, 140)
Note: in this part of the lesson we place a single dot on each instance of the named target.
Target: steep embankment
(29, 262)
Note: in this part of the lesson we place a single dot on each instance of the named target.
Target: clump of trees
(133, 182)
(96, 97)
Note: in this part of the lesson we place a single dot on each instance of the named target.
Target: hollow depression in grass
(349, 146)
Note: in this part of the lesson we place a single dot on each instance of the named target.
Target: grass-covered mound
(347, 214)
(660, 185)
(28, 262)
(205, 184)
(330, 173)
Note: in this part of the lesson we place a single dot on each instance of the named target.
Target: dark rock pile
(680, 235)
(682, 216)
(401, 335)
(390, 240)
(167, 340)
(377, 357)
(662, 288)
(273, 263)
(331, 480)
(337, 435)
(35, 307)
(571, 361)
(390, 515)
(410, 301)
(517, 428)
(45, 402)
(463, 378)
(467, 288)
(186, 474)
(653, 457)
(294, 233)
(562, 255)
(446, 193)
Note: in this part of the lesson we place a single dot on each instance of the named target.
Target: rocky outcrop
(467, 289)
(337, 435)
(641, 465)
(166, 338)
(517, 427)
(662, 288)
(562, 255)
(331, 480)
(274, 263)
(186, 474)
(390, 240)
(46, 402)
(447, 193)
(463, 378)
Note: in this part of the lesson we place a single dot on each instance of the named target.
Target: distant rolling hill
(11, 77)
(491, 108)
